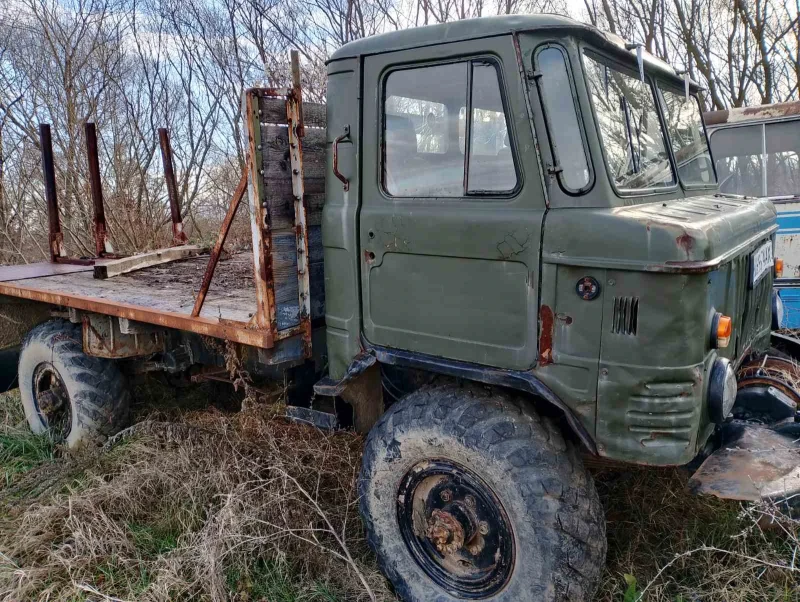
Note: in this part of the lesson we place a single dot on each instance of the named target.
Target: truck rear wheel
(467, 494)
(76, 398)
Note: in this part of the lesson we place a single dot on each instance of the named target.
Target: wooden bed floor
(167, 287)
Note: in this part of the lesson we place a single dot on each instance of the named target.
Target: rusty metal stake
(301, 130)
(238, 195)
(178, 235)
(48, 167)
(294, 117)
(101, 242)
(265, 316)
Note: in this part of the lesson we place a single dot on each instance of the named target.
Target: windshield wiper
(629, 133)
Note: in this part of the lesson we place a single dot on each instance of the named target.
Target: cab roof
(484, 27)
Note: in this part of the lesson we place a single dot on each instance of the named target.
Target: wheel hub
(52, 400)
(456, 529)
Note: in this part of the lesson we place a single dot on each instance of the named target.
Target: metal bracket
(336, 172)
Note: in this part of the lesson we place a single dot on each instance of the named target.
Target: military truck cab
(530, 203)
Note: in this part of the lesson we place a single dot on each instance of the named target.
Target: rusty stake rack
(274, 118)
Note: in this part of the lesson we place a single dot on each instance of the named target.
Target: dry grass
(209, 504)
(214, 507)
(679, 547)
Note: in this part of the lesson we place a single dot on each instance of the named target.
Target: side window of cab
(445, 132)
(562, 119)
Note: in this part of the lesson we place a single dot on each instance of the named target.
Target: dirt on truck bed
(233, 276)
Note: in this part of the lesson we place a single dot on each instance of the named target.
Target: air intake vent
(626, 315)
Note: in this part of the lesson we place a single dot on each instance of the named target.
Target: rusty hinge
(554, 170)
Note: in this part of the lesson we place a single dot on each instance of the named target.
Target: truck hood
(694, 234)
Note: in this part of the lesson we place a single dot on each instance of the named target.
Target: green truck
(502, 244)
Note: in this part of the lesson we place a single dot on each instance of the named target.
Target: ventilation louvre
(626, 315)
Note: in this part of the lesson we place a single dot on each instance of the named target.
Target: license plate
(760, 262)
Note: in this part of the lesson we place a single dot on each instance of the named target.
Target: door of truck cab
(452, 204)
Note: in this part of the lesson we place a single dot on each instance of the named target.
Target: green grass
(20, 449)
(154, 540)
(112, 576)
(277, 582)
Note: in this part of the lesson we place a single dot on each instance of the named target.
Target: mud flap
(755, 462)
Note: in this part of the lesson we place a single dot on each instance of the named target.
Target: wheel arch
(524, 382)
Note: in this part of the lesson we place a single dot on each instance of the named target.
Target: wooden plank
(277, 176)
(281, 210)
(9, 273)
(273, 111)
(116, 267)
(275, 145)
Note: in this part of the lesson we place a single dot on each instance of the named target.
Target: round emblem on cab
(587, 288)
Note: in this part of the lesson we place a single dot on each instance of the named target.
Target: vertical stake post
(48, 167)
(101, 243)
(178, 235)
(298, 94)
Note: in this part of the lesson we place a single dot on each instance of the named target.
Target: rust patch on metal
(445, 532)
(545, 335)
(686, 242)
(754, 463)
(771, 371)
(102, 337)
(745, 114)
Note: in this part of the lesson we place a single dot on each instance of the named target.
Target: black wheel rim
(51, 400)
(456, 528)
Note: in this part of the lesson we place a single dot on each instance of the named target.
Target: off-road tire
(552, 505)
(98, 393)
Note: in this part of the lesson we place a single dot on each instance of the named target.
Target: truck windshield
(630, 128)
(687, 137)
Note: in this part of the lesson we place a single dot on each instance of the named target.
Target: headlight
(722, 390)
(777, 311)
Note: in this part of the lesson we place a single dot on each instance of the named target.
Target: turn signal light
(724, 330)
(778, 268)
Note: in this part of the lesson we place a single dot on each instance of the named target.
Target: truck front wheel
(75, 398)
(467, 494)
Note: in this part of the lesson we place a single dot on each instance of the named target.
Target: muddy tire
(76, 398)
(466, 493)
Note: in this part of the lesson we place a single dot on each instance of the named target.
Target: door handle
(336, 172)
